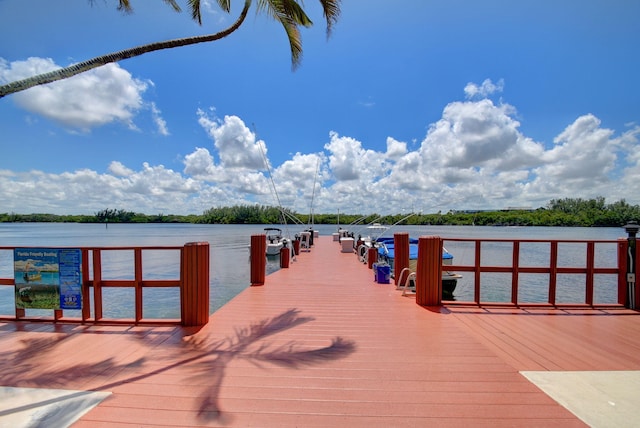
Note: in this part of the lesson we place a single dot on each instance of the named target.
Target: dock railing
(512, 266)
(190, 279)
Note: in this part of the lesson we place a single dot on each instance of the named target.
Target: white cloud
(471, 134)
(473, 90)
(348, 160)
(199, 164)
(395, 148)
(236, 144)
(95, 98)
(161, 124)
(295, 180)
(579, 164)
(474, 156)
(119, 170)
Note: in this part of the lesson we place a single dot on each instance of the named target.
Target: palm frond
(225, 5)
(196, 14)
(174, 5)
(290, 15)
(290, 355)
(295, 42)
(331, 10)
(124, 6)
(285, 9)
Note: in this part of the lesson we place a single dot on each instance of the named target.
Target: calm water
(230, 269)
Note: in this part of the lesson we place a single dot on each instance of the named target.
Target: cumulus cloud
(152, 189)
(471, 134)
(473, 90)
(236, 144)
(298, 180)
(119, 170)
(107, 94)
(582, 160)
(395, 148)
(348, 160)
(474, 156)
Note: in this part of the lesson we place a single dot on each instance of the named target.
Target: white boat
(375, 230)
(275, 241)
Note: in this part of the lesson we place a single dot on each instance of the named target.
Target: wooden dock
(323, 345)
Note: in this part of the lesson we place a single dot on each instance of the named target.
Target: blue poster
(48, 278)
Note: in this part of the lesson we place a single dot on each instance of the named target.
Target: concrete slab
(601, 399)
(40, 407)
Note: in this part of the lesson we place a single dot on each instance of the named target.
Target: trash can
(383, 273)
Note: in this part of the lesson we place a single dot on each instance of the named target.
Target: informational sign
(48, 278)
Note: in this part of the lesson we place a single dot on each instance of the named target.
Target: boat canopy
(388, 249)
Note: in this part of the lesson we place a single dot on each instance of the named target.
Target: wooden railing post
(194, 293)
(97, 285)
(137, 263)
(401, 254)
(86, 299)
(429, 271)
(588, 298)
(258, 259)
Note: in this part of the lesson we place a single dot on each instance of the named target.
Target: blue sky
(411, 105)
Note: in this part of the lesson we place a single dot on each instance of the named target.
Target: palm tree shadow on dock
(208, 359)
(241, 345)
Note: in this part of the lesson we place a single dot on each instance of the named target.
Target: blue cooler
(383, 273)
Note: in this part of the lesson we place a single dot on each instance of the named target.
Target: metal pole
(632, 229)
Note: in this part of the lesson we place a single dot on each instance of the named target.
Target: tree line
(558, 212)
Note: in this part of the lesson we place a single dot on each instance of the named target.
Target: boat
(375, 231)
(31, 273)
(30, 277)
(386, 254)
(363, 243)
(275, 241)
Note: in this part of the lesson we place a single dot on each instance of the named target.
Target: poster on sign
(48, 278)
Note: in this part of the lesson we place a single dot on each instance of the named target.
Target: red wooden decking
(321, 344)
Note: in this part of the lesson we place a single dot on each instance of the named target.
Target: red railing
(192, 283)
(517, 266)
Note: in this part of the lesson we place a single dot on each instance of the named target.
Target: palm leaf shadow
(209, 357)
(292, 355)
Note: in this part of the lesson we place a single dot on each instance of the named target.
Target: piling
(401, 253)
(372, 256)
(429, 271)
(194, 294)
(285, 256)
(258, 259)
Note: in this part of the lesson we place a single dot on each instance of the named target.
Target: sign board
(48, 278)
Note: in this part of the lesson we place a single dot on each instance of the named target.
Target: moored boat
(275, 241)
(386, 254)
